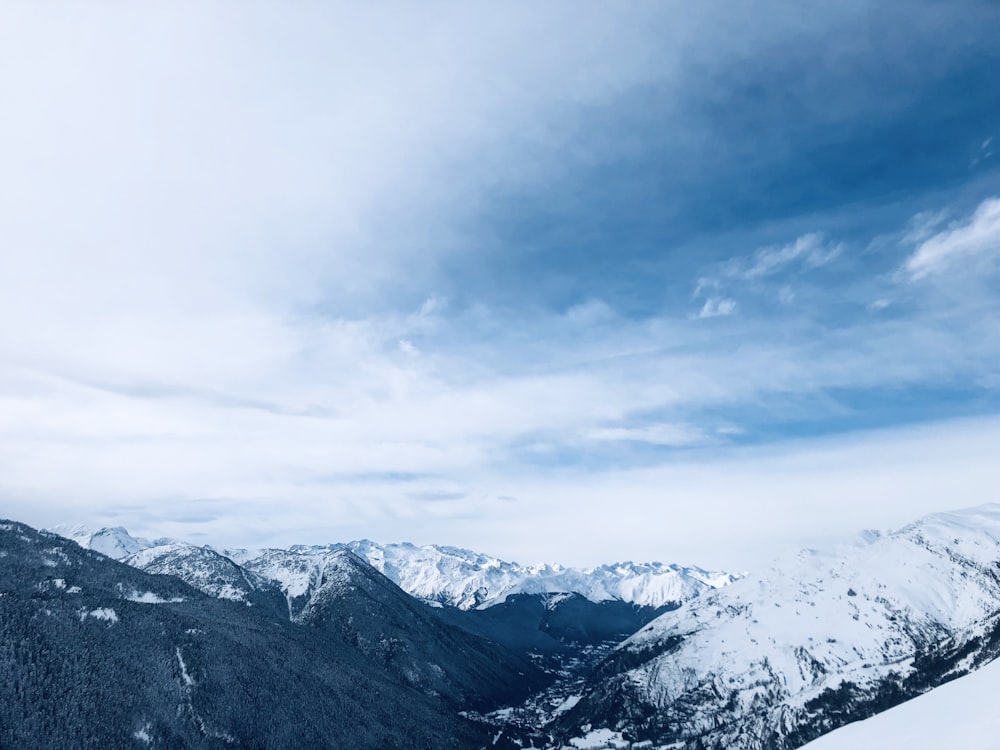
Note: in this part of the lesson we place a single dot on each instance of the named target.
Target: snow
(566, 705)
(959, 714)
(102, 613)
(597, 739)
(186, 678)
(143, 734)
(148, 597)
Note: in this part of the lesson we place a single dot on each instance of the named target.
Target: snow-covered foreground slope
(820, 639)
(960, 714)
(441, 575)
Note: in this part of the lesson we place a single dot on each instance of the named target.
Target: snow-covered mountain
(465, 579)
(115, 542)
(823, 638)
(960, 714)
(440, 575)
(208, 571)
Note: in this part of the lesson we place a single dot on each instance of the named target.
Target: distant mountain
(448, 576)
(960, 714)
(466, 579)
(115, 542)
(97, 654)
(822, 639)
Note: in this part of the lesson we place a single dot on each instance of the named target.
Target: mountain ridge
(441, 574)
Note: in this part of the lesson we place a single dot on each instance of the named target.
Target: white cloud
(716, 307)
(738, 510)
(811, 250)
(676, 435)
(591, 312)
(962, 242)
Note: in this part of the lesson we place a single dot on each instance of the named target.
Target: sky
(572, 281)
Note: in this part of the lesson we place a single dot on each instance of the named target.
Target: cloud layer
(453, 272)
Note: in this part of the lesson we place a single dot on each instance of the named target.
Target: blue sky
(582, 282)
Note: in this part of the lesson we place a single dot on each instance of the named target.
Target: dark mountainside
(97, 654)
(356, 604)
(554, 624)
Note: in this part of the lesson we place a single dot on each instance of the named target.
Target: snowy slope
(775, 659)
(960, 714)
(203, 568)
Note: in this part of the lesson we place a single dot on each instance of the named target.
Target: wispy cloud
(675, 435)
(809, 251)
(973, 239)
(765, 270)
(986, 150)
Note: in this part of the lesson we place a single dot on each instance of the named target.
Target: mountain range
(481, 652)
(441, 575)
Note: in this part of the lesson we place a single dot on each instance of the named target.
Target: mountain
(448, 576)
(554, 624)
(351, 601)
(960, 714)
(98, 654)
(332, 590)
(466, 579)
(461, 578)
(115, 542)
(209, 572)
(547, 610)
(823, 638)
